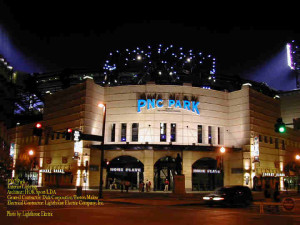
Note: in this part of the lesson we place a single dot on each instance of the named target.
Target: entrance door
(206, 176)
(164, 169)
(124, 168)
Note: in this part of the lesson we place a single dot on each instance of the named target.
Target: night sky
(246, 40)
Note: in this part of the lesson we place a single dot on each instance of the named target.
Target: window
(209, 135)
(123, 132)
(135, 132)
(282, 145)
(266, 139)
(163, 132)
(199, 133)
(276, 143)
(173, 132)
(113, 133)
(219, 135)
(260, 138)
(271, 140)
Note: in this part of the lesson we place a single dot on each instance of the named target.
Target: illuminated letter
(171, 102)
(178, 104)
(186, 105)
(195, 107)
(150, 102)
(141, 104)
(159, 103)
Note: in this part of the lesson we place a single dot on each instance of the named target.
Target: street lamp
(222, 150)
(30, 152)
(100, 195)
(298, 185)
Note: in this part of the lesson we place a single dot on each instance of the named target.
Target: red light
(38, 125)
(69, 130)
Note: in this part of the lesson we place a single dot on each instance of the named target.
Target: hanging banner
(256, 149)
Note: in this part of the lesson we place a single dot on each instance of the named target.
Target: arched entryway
(164, 169)
(124, 168)
(206, 175)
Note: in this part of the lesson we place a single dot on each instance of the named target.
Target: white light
(101, 105)
(218, 198)
(206, 198)
(222, 150)
(289, 56)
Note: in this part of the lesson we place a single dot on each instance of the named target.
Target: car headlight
(206, 198)
(218, 198)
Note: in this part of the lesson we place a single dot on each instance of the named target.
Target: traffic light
(69, 134)
(37, 130)
(279, 126)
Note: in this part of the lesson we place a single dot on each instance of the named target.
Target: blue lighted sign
(152, 104)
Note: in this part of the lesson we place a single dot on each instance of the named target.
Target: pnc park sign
(160, 103)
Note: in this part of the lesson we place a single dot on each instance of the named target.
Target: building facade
(147, 127)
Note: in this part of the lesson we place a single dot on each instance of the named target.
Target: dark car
(230, 196)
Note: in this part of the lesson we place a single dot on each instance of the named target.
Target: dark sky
(248, 40)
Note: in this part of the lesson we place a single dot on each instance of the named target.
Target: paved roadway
(123, 214)
(153, 209)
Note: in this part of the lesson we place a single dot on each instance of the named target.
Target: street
(150, 208)
(115, 214)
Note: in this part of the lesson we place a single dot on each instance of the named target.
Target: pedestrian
(127, 184)
(122, 186)
(166, 185)
(148, 185)
(141, 185)
(286, 184)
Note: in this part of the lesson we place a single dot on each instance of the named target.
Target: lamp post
(298, 185)
(222, 151)
(100, 195)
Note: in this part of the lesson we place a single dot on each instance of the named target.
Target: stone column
(149, 167)
(187, 169)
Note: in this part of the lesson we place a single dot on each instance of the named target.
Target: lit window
(173, 132)
(163, 132)
(123, 132)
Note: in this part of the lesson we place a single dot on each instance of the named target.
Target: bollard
(261, 208)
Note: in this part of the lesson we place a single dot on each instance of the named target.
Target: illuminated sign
(256, 149)
(52, 171)
(273, 174)
(206, 171)
(159, 103)
(12, 149)
(132, 170)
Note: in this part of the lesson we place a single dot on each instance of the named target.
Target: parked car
(230, 196)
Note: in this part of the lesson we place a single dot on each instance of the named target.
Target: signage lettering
(205, 171)
(152, 104)
(132, 170)
(52, 171)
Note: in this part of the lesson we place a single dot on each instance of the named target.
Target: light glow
(289, 56)
(218, 198)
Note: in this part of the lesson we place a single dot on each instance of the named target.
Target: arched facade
(151, 122)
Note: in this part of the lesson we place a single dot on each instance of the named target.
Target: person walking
(276, 196)
(127, 184)
(141, 186)
(122, 185)
(166, 185)
(148, 185)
